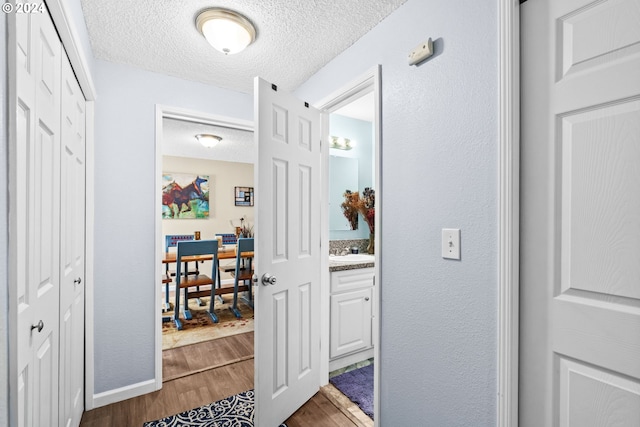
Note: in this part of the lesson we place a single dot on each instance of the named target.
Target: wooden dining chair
(184, 280)
(227, 239)
(242, 273)
(166, 305)
(171, 241)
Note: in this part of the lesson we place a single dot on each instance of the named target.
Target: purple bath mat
(357, 385)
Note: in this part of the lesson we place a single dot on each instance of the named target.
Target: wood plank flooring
(190, 359)
(213, 375)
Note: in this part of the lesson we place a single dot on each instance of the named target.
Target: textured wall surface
(439, 170)
(125, 216)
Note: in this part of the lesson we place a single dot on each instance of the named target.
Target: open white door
(288, 196)
(580, 214)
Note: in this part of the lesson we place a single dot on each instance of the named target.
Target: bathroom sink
(353, 258)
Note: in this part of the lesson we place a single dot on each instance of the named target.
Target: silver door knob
(268, 279)
(77, 281)
(39, 326)
(366, 298)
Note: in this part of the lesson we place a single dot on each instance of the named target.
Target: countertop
(336, 265)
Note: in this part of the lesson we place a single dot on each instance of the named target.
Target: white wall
(223, 177)
(4, 231)
(125, 216)
(439, 169)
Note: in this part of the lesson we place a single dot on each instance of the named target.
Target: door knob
(39, 326)
(366, 298)
(268, 279)
(254, 279)
(77, 281)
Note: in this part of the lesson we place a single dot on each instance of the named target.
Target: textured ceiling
(295, 38)
(178, 139)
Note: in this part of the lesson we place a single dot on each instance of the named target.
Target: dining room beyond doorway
(207, 194)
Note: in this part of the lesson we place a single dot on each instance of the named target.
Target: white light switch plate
(451, 243)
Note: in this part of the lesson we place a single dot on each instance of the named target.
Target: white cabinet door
(350, 322)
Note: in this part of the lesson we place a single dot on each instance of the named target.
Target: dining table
(223, 253)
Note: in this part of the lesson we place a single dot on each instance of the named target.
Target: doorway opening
(353, 113)
(199, 203)
(213, 212)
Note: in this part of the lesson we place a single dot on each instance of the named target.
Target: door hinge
(274, 87)
(306, 104)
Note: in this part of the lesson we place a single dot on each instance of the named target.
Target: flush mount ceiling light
(340, 143)
(208, 140)
(227, 31)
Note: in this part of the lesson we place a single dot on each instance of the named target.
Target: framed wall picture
(185, 196)
(244, 196)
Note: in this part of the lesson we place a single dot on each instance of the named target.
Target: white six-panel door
(580, 214)
(72, 250)
(287, 339)
(38, 164)
(47, 214)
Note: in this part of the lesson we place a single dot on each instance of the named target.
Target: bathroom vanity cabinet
(351, 305)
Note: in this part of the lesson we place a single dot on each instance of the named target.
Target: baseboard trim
(123, 393)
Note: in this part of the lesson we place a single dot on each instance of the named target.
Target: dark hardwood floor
(221, 368)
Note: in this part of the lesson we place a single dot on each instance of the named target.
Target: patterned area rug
(357, 385)
(234, 411)
(201, 327)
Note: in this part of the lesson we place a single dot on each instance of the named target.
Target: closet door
(72, 249)
(36, 217)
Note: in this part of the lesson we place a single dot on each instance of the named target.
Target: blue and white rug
(234, 411)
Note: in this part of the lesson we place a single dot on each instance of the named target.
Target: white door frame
(162, 112)
(366, 83)
(509, 211)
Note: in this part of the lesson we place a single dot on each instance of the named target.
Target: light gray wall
(439, 170)
(125, 215)
(4, 230)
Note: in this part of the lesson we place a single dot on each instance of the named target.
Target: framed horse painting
(185, 196)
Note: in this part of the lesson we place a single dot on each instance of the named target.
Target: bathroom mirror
(343, 175)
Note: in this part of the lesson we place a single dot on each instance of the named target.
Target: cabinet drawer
(347, 280)
(350, 322)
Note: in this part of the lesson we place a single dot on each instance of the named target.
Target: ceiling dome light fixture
(227, 31)
(208, 140)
